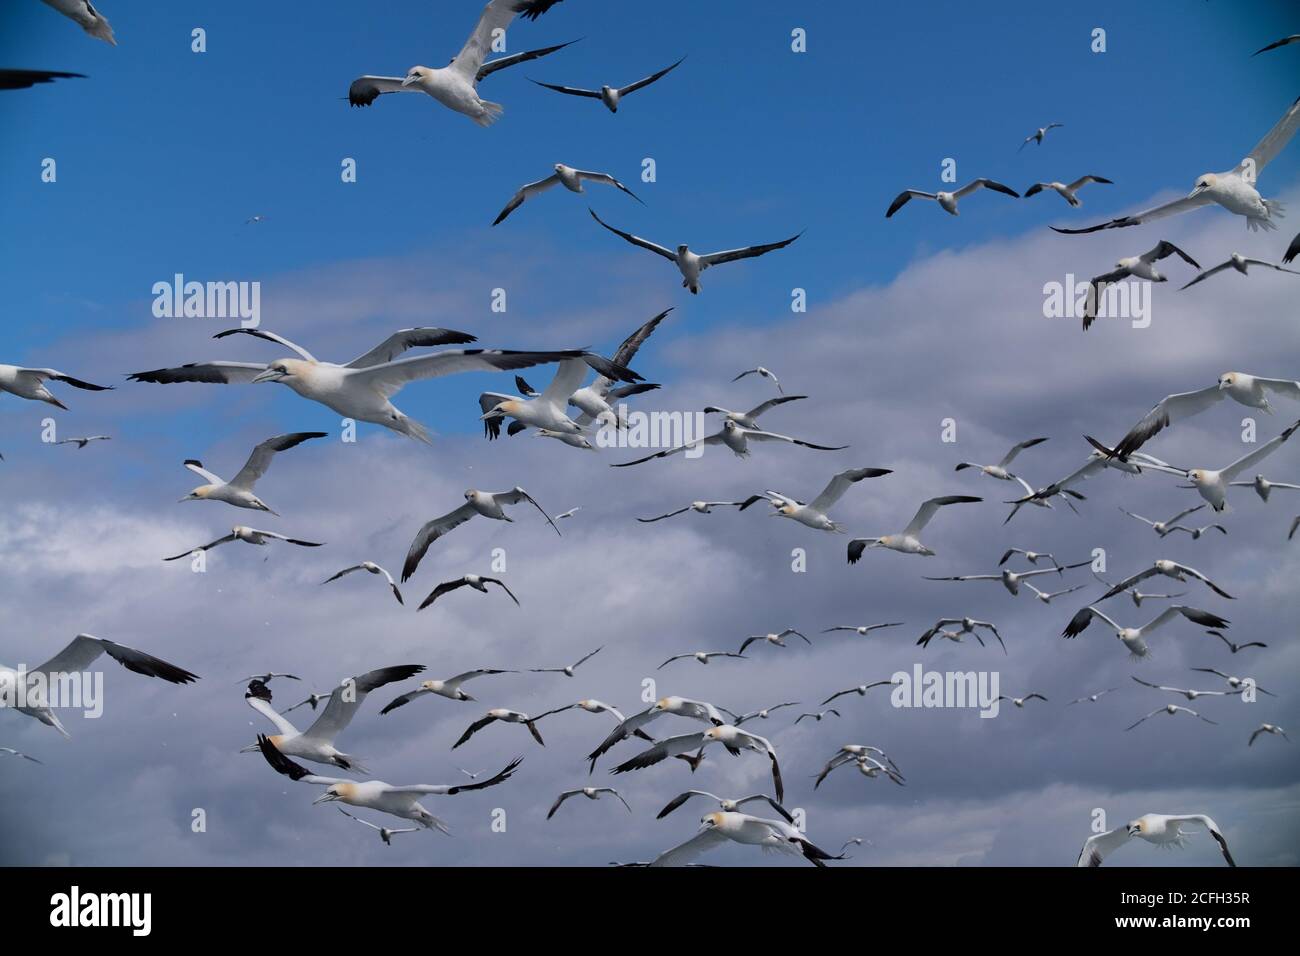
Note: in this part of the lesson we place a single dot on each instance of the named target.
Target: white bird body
(238, 491)
(718, 828)
(1134, 638)
(908, 541)
(29, 383)
(1155, 828)
(813, 515)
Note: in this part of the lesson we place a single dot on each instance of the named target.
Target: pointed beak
(324, 798)
(411, 78)
(270, 375)
(1196, 192)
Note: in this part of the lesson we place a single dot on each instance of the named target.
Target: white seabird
(1263, 487)
(1037, 135)
(238, 491)
(1134, 638)
(734, 738)
(249, 536)
(373, 568)
(507, 716)
(385, 833)
(1165, 527)
(83, 442)
(1093, 698)
(818, 716)
(568, 670)
(1020, 701)
(762, 714)
(362, 388)
(968, 626)
(316, 743)
(1032, 557)
(860, 690)
(1142, 266)
(87, 17)
(749, 419)
(691, 264)
(1212, 484)
(1169, 569)
(853, 753)
(1172, 710)
(700, 507)
(567, 176)
(1140, 596)
(948, 200)
(375, 794)
(545, 411)
(591, 793)
(611, 95)
(449, 688)
(1157, 828)
(1261, 729)
(485, 503)
(1251, 391)
(862, 630)
(702, 657)
(906, 541)
(1235, 684)
(718, 828)
(1241, 264)
(1047, 596)
(1067, 191)
(33, 699)
(1009, 579)
(478, 582)
(29, 383)
(814, 514)
(762, 373)
(735, 437)
(778, 640)
(731, 806)
(455, 86)
(312, 700)
(700, 710)
(999, 470)
(1234, 190)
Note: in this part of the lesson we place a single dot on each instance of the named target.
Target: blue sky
(162, 156)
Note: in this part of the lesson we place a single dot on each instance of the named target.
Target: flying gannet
(818, 716)
(862, 630)
(852, 753)
(1093, 698)
(29, 383)
(1241, 264)
(735, 437)
(385, 833)
(1251, 391)
(478, 582)
(860, 690)
(762, 714)
(734, 738)
(762, 373)
(1067, 191)
(1037, 135)
(1169, 569)
(1009, 579)
(1155, 828)
(83, 442)
(1212, 484)
(1020, 701)
(718, 828)
(373, 568)
(968, 626)
(1140, 596)
(731, 806)
(1234, 190)
(594, 400)
(375, 794)
(455, 86)
(701, 507)
(486, 503)
(1047, 596)
(777, 640)
(948, 200)
(1134, 638)
(906, 541)
(362, 388)
(316, 743)
(1234, 648)
(1165, 527)
(1032, 557)
(611, 95)
(545, 411)
(506, 716)
(1235, 684)
(449, 688)
(572, 180)
(702, 657)
(1263, 487)
(699, 710)
(1172, 710)
(33, 699)
(591, 793)
(568, 670)
(814, 514)
(692, 264)
(249, 536)
(749, 419)
(87, 17)
(1142, 266)
(238, 491)
(999, 470)
(1261, 729)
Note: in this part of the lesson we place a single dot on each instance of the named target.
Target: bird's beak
(186, 498)
(411, 78)
(251, 748)
(270, 375)
(494, 413)
(1196, 192)
(324, 798)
